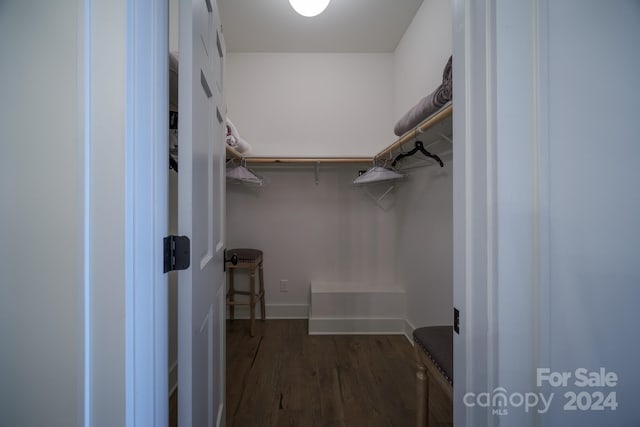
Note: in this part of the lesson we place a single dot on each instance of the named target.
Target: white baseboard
(356, 326)
(408, 331)
(275, 311)
(173, 377)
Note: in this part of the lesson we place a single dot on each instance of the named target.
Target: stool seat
(249, 259)
(245, 256)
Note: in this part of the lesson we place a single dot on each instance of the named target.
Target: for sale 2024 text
(584, 400)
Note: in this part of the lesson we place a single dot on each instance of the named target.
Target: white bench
(355, 308)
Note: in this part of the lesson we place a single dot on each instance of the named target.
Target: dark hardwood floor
(284, 377)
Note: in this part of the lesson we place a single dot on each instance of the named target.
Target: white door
(201, 216)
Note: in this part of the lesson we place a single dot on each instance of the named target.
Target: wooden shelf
(301, 160)
(440, 116)
(231, 153)
(421, 131)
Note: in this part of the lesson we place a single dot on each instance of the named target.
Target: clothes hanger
(240, 173)
(418, 147)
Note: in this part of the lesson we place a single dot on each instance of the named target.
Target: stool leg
(252, 298)
(262, 308)
(231, 295)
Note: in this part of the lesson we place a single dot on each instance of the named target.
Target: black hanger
(419, 147)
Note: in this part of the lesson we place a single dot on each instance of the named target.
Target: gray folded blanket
(427, 105)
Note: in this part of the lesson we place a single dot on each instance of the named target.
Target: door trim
(146, 211)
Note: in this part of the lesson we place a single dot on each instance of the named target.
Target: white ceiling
(345, 26)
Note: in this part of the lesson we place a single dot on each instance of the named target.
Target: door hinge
(177, 253)
(456, 320)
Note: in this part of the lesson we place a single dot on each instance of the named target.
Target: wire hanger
(418, 147)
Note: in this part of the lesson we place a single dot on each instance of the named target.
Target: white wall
(421, 55)
(311, 105)
(174, 27)
(594, 202)
(547, 206)
(424, 235)
(329, 232)
(63, 141)
(344, 104)
(40, 296)
(304, 104)
(107, 211)
(424, 242)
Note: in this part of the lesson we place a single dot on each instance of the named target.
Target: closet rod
(232, 153)
(308, 159)
(422, 127)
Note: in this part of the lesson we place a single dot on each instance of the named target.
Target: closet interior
(368, 250)
(352, 258)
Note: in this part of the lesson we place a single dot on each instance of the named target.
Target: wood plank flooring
(284, 377)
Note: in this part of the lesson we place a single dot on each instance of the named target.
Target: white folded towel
(234, 140)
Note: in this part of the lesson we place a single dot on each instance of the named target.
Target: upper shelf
(434, 128)
(231, 153)
(308, 159)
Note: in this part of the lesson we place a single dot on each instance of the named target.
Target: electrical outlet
(284, 285)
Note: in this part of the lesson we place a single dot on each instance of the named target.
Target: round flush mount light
(309, 7)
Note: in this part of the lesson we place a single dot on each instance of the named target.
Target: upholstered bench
(434, 358)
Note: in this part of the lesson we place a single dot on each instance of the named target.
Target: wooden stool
(249, 259)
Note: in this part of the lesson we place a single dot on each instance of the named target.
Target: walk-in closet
(379, 254)
(341, 174)
(161, 157)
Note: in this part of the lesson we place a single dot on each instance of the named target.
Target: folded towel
(231, 129)
(234, 140)
(427, 105)
(242, 146)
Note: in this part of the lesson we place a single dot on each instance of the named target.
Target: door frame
(501, 200)
(146, 210)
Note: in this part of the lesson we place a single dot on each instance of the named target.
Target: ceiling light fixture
(309, 7)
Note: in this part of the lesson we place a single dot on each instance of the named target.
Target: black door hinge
(177, 253)
(456, 320)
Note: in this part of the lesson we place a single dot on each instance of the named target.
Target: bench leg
(422, 394)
